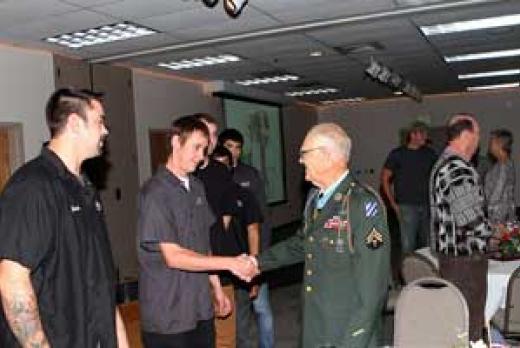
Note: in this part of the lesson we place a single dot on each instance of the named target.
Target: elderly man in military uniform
(345, 245)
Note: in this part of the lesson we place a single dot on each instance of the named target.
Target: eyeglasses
(304, 152)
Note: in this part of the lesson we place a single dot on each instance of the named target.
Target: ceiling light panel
(498, 86)
(477, 24)
(101, 35)
(311, 92)
(483, 55)
(200, 62)
(343, 101)
(496, 73)
(268, 79)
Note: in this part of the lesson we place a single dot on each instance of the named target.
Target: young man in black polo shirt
(249, 178)
(57, 278)
(173, 249)
(219, 184)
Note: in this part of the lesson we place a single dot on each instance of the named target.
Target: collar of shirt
(324, 196)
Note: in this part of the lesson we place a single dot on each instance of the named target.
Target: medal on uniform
(337, 224)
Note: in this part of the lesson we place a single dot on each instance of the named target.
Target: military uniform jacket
(346, 251)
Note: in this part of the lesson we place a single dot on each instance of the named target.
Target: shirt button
(309, 272)
(311, 239)
(308, 288)
(309, 256)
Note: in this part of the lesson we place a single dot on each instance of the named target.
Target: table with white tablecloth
(498, 276)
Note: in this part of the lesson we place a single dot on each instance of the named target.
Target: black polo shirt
(249, 178)
(172, 300)
(54, 225)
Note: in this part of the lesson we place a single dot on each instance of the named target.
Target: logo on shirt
(240, 204)
(245, 183)
(75, 208)
(98, 206)
(198, 201)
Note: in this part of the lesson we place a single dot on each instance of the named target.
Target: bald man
(344, 244)
(459, 228)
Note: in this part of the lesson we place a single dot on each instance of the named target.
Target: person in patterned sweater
(460, 230)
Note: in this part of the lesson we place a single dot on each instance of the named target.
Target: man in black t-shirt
(57, 278)
(219, 184)
(249, 178)
(408, 169)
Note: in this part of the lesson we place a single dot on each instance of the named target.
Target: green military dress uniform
(346, 250)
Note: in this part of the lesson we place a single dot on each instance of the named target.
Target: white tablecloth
(497, 279)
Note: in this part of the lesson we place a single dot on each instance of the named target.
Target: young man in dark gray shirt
(173, 249)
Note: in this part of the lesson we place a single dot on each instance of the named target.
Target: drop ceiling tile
(22, 12)
(138, 9)
(90, 3)
(294, 11)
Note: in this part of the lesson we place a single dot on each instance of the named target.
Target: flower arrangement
(509, 241)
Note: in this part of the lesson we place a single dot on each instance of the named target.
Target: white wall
(158, 101)
(26, 82)
(374, 126)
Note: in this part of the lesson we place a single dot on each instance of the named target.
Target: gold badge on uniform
(374, 239)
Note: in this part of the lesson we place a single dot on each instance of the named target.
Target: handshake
(244, 267)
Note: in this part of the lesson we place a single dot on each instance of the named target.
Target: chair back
(512, 312)
(431, 312)
(415, 266)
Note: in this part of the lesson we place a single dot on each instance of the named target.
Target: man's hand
(244, 267)
(221, 303)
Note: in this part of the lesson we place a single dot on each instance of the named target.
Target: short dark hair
(185, 126)
(66, 101)
(230, 134)
(505, 137)
(220, 151)
(202, 116)
(458, 124)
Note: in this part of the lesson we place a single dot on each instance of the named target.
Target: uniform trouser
(469, 274)
(414, 225)
(225, 328)
(203, 336)
(264, 317)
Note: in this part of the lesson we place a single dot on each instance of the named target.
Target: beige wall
(158, 101)
(374, 126)
(27, 80)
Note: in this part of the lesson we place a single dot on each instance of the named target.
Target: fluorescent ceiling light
(199, 62)
(502, 85)
(311, 92)
(101, 35)
(483, 55)
(476, 24)
(496, 73)
(344, 100)
(268, 79)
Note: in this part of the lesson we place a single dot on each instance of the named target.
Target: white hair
(335, 138)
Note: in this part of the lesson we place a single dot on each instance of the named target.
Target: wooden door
(159, 147)
(5, 163)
